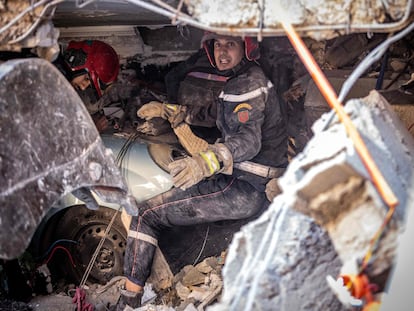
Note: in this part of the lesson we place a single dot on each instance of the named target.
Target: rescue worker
(195, 85)
(227, 179)
(91, 66)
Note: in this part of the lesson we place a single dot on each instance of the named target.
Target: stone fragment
(326, 215)
(193, 277)
(182, 291)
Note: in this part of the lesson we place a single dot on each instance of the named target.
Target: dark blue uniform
(252, 128)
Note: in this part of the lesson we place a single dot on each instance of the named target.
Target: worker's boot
(128, 299)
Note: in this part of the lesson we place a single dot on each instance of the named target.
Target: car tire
(84, 228)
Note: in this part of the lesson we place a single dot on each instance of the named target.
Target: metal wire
(371, 58)
(203, 246)
(36, 23)
(249, 268)
(83, 3)
(28, 10)
(172, 13)
(98, 248)
(180, 5)
(162, 8)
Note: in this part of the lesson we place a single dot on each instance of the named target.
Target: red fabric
(80, 300)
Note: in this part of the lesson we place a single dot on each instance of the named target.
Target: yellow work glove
(175, 114)
(189, 171)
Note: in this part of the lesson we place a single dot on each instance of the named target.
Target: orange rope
(328, 92)
(330, 96)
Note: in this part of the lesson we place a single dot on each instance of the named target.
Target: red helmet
(251, 46)
(95, 57)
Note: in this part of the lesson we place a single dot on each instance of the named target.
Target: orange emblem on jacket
(242, 111)
(241, 106)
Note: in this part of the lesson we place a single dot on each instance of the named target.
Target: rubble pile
(323, 222)
(199, 285)
(327, 18)
(19, 20)
(193, 288)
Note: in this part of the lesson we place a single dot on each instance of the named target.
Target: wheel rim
(109, 261)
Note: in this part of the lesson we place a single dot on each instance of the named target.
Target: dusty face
(81, 82)
(227, 52)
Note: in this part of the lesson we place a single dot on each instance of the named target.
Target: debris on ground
(194, 287)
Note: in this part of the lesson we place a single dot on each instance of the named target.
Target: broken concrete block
(325, 217)
(207, 265)
(335, 188)
(190, 307)
(199, 293)
(193, 277)
(279, 262)
(182, 291)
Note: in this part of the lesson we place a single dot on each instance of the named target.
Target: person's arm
(177, 74)
(243, 115)
(202, 116)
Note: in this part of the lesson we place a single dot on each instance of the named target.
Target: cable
(250, 266)
(329, 94)
(171, 12)
(54, 243)
(380, 79)
(98, 248)
(65, 250)
(371, 58)
(36, 23)
(24, 12)
(267, 256)
(327, 91)
(123, 152)
(202, 247)
(19, 16)
(83, 3)
(180, 5)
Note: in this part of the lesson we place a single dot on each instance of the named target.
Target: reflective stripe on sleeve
(211, 160)
(246, 96)
(143, 237)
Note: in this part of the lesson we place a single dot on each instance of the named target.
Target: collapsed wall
(320, 19)
(323, 221)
